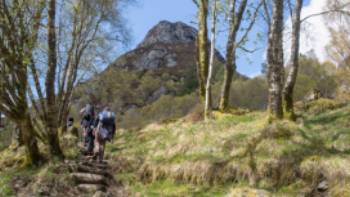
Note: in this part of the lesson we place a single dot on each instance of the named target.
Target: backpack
(107, 119)
(89, 112)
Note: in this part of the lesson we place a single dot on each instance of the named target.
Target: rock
(313, 95)
(166, 45)
(101, 194)
(157, 94)
(89, 178)
(91, 188)
(322, 186)
(95, 164)
(91, 170)
(169, 33)
(248, 192)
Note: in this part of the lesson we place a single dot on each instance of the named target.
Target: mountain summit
(170, 33)
(166, 45)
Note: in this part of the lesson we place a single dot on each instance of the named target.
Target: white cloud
(314, 33)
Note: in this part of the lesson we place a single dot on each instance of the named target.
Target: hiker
(71, 128)
(104, 131)
(87, 123)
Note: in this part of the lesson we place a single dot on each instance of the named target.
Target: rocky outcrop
(170, 33)
(167, 45)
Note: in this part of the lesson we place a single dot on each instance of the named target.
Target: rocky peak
(170, 33)
(166, 46)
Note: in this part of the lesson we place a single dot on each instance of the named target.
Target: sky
(147, 13)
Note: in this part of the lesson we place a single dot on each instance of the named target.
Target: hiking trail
(95, 178)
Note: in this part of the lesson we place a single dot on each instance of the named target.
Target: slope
(235, 155)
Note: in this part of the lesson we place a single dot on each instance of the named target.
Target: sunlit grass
(234, 149)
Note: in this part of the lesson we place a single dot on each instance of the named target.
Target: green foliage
(250, 94)
(315, 75)
(164, 109)
(322, 105)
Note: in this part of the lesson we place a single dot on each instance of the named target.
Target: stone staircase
(94, 178)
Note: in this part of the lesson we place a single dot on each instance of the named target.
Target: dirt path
(95, 178)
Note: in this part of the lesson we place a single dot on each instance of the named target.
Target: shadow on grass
(325, 119)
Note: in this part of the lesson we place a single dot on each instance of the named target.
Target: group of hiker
(97, 129)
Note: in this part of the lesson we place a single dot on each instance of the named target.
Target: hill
(232, 155)
(240, 155)
(160, 70)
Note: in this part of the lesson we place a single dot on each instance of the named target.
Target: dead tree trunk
(275, 62)
(293, 62)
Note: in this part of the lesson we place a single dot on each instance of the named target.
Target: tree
(88, 42)
(211, 61)
(339, 46)
(293, 61)
(18, 37)
(42, 60)
(234, 43)
(202, 47)
(73, 43)
(51, 120)
(275, 61)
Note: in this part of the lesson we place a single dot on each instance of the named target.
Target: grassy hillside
(232, 155)
(239, 153)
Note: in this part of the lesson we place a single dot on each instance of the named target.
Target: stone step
(91, 170)
(91, 188)
(101, 194)
(94, 164)
(89, 178)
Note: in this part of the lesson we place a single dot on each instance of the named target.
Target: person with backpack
(104, 131)
(71, 127)
(87, 123)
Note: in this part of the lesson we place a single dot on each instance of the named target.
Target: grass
(231, 155)
(52, 178)
(238, 152)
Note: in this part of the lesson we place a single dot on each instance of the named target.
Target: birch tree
(275, 61)
(237, 10)
(293, 61)
(211, 61)
(73, 43)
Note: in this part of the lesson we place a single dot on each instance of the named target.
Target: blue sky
(147, 13)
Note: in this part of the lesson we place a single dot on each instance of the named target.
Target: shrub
(322, 105)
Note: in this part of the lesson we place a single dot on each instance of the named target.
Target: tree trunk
(51, 120)
(17, 137)
(294, 62)
(202, 47)
(230, 64)
(33, 155)
(208, 99)
(275, 62)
